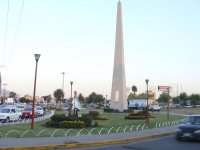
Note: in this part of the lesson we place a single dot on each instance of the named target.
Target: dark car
(189, 128)
(27, 113)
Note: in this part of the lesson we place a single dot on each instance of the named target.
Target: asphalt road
(164, 143)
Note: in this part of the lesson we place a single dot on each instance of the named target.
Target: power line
(5, 35)
(16, 32)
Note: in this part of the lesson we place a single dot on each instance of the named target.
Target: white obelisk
(118, 92)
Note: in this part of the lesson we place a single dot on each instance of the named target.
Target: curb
(92, 144)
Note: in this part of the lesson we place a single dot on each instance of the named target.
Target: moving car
(10, 114)
(27, 113)
(189, 128)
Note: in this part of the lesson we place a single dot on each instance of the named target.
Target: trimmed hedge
(72, 124)
(87, 119)
(135, 117)
(94, 113)
(110, 110)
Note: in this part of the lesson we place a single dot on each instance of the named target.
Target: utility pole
(0, 88)
(63, 73)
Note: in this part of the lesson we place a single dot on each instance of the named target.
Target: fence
(84, 131)
(26, 121)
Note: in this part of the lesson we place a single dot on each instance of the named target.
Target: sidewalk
(84, 140)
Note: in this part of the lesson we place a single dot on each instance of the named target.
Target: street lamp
(147, 110)
(168, 103)
(71, 83)
(37, 56)
(63, 85)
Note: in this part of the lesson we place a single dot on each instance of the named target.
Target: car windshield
(4, 110)
(28, 109)
(39, 108)
(192, 120)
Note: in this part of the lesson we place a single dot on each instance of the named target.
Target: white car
(156, 108)
(10, 114)
(40, 110)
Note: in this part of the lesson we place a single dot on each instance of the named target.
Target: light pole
(37, 56)
(71, 83)
(63, 84)
(147, 110)
(168, 103)
(106, 99)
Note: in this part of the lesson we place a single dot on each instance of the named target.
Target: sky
(161, 43)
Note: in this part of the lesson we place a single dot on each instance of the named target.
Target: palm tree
(134, 89)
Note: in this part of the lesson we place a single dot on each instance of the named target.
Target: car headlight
(197, 131)
(178, 130)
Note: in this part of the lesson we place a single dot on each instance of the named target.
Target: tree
(183, 97)
(195, 99)
(58, 94)
(132, 96)
(134, 89)
(12, 95)
(100, 98)
(24, 100)
(81, 98)
(176, 100)
(92, 98)
(47, 98)
(142, 96)
(164, 97)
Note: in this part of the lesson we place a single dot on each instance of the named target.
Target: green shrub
(109, 110)
(93, 113)
(72, 124)
(59, 117)
(96, 124)
(116, 110)
(129, 111)
(87, 119)
(135, 117)
(51, 123)
(100, 117)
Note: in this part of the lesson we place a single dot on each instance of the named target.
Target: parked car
(189, 128)
(20, 107)
(156, 108)
(40, 110)
(27, 113)
(10, 114)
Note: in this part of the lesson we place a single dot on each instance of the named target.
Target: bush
(72, 124)
(108, 110)
(94, 113)
(96, 124)
(129, 111)
(87, 119)
(51, 123)
(100, 117)
(59, 118)
(135, 117)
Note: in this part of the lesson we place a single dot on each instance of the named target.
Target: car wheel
(7, 119)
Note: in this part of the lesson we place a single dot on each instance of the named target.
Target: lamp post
(63, 73)
(71, 83)
(147, 110)
(168, 103)
(37, 56)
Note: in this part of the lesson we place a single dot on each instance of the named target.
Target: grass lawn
(115, 120)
